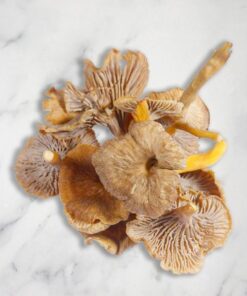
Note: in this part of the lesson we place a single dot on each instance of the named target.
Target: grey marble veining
(43, 43)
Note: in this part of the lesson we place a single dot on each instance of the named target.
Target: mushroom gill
(181, 238)
(139, 168)
(196, 115)
(201, 180)
(87, 205)
(37, 166)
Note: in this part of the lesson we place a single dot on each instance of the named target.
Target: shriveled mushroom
(55, 105)
(139, 168)
(158, 108)
(181, 238)
(114, 239)
(196, 115)
(87, 205)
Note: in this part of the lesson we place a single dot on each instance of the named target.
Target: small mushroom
(37, 166)
(158, 108)
(181, 238)
(114, 239)
(139, 168)
(196, 115)
(87, 205)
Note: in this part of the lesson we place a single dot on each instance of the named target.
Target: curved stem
(212, 66)
(52, 157)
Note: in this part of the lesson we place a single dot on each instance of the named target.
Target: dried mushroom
(139, 168)
(87, 205)
(151, 183)
(55, 105)
(37, 166)
(181, 238)
(203, 181)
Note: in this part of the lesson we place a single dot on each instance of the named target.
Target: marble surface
(43, 43)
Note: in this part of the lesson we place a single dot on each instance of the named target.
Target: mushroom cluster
(151, 182)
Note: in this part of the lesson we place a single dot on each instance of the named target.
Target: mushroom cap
(87, 205)
(181, 238)
(196, 115)
(55, 106)
(187, 141)
(203, 181)
(36, 175)
(139, 168)
(114, 80)
(158, 108)
(114, 239)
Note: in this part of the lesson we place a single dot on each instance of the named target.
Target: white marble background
(43, 43)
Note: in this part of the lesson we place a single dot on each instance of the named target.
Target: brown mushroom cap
(55, 106)
(196, 115)
(181, 238)
(114, 239)
(35, 174)
(139, 168)
(88, 206)
(201, 180)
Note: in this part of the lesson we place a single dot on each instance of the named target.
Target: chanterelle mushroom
(181, 238)
(139, 168)
(87, 205)
(37, 166)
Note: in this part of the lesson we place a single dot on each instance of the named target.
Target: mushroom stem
(206, 159)
(212, 66)
(201, 160)
(141, 112)
(187, 210)
(194, 131)
(51, 157)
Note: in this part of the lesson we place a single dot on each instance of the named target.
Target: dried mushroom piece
(55, 106)
(87, 205)
(114, 239)
(37, 166)
(121, 75)
(139, 168)
(196, 115)
(158, 108)
(181, 238)
(201, 180)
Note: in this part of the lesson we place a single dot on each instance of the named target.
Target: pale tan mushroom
(37, 166)
(114, 239)
(87, 205)
(55, 105)
(196, 115)
(181, 238)
(139, 168)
